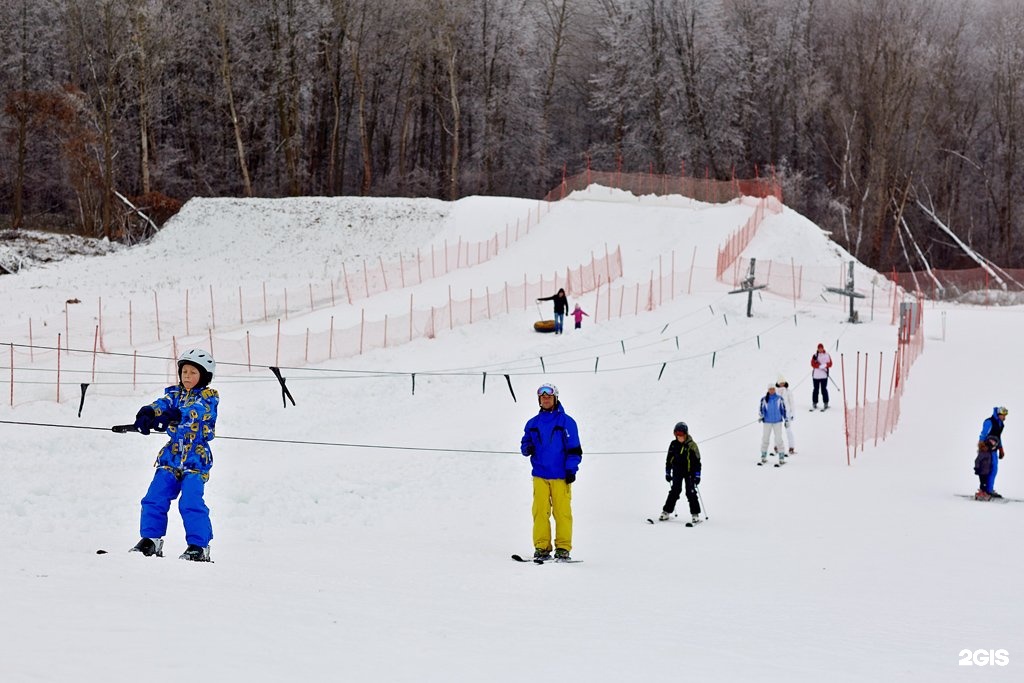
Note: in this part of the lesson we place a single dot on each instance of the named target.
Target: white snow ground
(386, 556)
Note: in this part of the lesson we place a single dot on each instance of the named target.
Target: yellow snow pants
(552, 495)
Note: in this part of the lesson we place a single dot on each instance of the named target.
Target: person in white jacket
(782, 389)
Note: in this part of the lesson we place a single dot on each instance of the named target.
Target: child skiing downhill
(682, 468)
(990, 452)
(188, 413)
(772, 414)
(577, 314)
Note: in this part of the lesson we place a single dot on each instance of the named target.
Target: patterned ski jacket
(551, 440)
(773, 409)
(189, 447)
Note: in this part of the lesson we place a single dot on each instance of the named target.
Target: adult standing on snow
(551, 441)
(821, 362)
(682, 468)
(990, 452)
(782, 389)
(561, 307)
(772, 414)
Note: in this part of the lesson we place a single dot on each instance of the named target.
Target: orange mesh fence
(987, 287)
(871, 398)
(37, 371)
(701, 189)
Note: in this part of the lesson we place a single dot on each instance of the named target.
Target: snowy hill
(365, 532)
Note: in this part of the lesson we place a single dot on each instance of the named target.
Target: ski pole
(701, 499)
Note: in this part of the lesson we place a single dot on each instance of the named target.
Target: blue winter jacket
(993, 427)
(551, 440)
(189, 447)
(773, 409)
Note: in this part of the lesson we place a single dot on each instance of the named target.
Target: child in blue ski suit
(188, 413)
(990, 452)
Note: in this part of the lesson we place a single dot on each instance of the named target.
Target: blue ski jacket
(992, 427)
(189, 447)
(773, 409)
(552, 442)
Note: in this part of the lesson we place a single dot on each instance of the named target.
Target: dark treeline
(896, 124)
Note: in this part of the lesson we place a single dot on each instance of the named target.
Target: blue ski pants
(164, 488)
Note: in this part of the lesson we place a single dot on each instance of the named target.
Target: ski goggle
(1002, 411)
(547, 390)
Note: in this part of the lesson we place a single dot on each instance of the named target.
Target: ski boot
(195, 553)
(664, 516)
(149, 547)
(561, 554)
(982, 495)
(695, 519)
(541, 555)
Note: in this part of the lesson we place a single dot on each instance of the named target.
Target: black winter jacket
(683, 458)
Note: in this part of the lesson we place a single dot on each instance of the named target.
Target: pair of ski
(814, 410)
(520, 558)
(652, 521)
(991, 500)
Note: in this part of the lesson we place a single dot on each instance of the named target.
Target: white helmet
(200, 359)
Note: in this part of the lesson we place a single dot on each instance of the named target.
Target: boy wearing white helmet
(187, 412)
(552, 443)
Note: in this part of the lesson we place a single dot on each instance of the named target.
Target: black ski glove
(668, 475)
(696, 478)
(170, 416)
(145, 420)
(570, 477)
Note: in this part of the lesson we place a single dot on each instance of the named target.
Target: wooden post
(213, 312)
(95, 343)
(277, 352)
(156, 308)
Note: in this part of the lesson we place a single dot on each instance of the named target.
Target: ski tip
(101, 552)
(650, 521)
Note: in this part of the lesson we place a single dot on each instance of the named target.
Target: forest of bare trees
(889, 122)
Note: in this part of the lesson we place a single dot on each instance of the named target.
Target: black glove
(530, 450)
(570, 477)
(696, 478)
(668, 475)
(145, 420)
(760, 419)
(170, 416)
